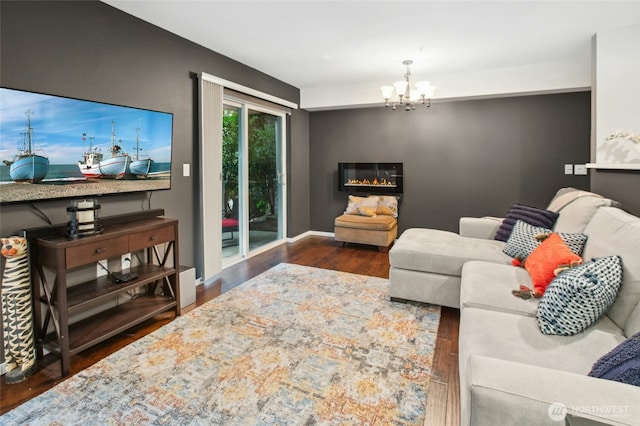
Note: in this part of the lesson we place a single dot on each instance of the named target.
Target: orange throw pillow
(546, 258)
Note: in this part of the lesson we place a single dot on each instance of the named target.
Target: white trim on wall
(248, 90)
(613, 166)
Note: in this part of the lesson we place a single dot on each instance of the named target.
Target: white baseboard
(3, 369)
(310, 233)
(200, 280)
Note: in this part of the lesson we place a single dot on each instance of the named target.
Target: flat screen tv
(55, 147)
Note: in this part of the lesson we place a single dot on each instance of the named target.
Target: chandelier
(408, 96)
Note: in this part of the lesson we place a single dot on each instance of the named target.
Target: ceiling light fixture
(407, 95)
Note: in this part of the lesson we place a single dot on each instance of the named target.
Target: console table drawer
(150, 238)
(93, 252)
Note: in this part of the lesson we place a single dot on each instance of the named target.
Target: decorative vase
(17, 315)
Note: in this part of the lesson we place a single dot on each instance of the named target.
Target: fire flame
(376, 182)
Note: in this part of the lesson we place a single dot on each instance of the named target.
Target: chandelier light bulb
(387, 92)
(401, 88)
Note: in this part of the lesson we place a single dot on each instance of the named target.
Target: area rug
(293, 346)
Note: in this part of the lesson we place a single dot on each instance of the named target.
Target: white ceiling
(322, 46)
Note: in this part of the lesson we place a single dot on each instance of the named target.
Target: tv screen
(58, 147)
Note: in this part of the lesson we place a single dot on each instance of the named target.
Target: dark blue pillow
(531, 215)
(622, 364)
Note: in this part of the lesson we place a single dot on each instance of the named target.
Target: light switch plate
(568, 169)
(186, 170)
(580, 169)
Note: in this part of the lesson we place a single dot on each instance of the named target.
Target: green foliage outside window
(262, 162)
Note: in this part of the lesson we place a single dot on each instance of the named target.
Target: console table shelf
(103, 288)
(106, 324)
(152, 288)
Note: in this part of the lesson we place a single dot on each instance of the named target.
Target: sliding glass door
(252, 179)
(264, 187)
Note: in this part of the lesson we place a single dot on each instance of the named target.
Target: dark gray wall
(90, 50)
(465, 158)
(298, 201)
(621, 186)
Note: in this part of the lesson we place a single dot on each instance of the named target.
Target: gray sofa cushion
(479, 227)
(442, 252)
(615, 232)
(488, 286)
(427, 287)
(517, 338)
(508, 393)
(576, 208)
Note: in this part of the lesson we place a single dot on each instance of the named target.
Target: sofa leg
(398, 300)
(383, 249)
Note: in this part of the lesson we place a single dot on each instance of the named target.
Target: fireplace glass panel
(372, 178)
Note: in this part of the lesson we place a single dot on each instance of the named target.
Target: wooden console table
(156, 287)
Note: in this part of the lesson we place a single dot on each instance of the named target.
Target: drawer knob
(100, 250)
(153, 237)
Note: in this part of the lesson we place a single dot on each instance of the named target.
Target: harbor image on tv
(59, 147)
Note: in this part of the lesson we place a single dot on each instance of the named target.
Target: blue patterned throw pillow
(531, 215)
(523, 240)
(576, 298)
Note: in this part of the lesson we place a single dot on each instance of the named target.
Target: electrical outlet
(580, 169)
(101, 268)
(125, 261)
(568, 169)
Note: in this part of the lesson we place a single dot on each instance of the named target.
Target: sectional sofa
(511, 373)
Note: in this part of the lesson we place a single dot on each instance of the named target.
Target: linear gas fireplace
(371, 178)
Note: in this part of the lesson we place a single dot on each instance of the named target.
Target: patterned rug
(295, 345)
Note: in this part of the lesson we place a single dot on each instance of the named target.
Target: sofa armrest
(479, 227)
(505, 392)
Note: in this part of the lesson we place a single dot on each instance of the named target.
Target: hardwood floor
(321, 252)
